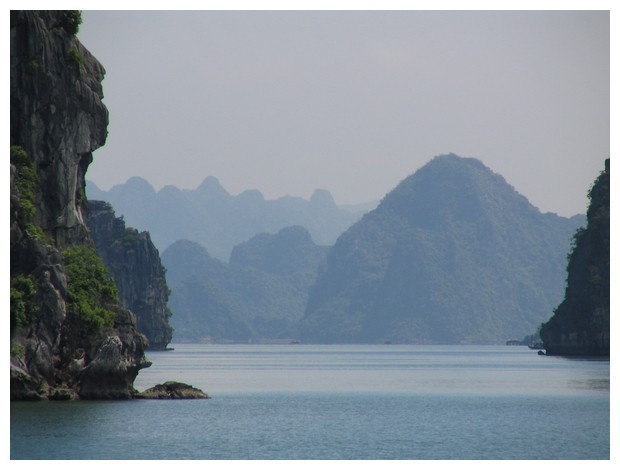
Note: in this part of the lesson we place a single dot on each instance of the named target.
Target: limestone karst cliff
(70, 336)
(580, 325)
(134, 263)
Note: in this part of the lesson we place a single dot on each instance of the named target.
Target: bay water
(294, 401)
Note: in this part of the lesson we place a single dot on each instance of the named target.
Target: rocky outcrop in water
(580, 324)
(70, 337)
(134, 262)
(172, 391)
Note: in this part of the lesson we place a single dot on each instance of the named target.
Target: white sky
(353, 102)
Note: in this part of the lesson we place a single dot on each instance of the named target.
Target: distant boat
(536, 346)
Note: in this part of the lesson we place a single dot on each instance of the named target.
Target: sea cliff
(134, 263)
(70, 336)
(580, 325)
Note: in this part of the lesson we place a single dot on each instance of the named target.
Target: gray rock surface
(57, 121)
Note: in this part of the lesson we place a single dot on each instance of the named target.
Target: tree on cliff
(580, 324)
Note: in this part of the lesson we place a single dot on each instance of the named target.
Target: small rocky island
(172, 391)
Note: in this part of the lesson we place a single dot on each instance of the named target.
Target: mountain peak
(136, 184)
(452, 254)
(453, 188)
(322, 197)
(211, 186)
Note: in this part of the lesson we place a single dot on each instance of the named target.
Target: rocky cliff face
(134, 262)
(69, 335)
(580, 324)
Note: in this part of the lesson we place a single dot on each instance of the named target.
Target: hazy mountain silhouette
(452, 254)
(212, 217)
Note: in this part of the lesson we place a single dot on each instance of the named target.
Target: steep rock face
(453, 254)
(580, 324)
(57, 121)
(134, 263)
(57, 115)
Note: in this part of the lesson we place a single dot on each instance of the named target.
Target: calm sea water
(338, 402)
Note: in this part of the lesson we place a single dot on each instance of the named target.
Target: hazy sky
(353, 102)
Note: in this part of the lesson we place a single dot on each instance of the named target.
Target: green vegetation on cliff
(580, 324)
(70, 336)
(89, 287)
(26, 181)
(24, 307)
(70, 21)
(134, 263)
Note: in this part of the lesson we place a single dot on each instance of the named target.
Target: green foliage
(89, 287)
(71, 20)
(27, 178)
(130, 235)
(81, 197)
(23, 301)
(17, 349)
(26, 182)
(75, 57)
(35, 231)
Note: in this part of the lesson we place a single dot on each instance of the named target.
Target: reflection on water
(591, 384)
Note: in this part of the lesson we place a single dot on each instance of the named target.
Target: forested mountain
(580, 324)
(453, 254)
(260, 295)
(212, 217)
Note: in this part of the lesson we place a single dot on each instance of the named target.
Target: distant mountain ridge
(261, 294)
(212, 217)
(452, 255)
